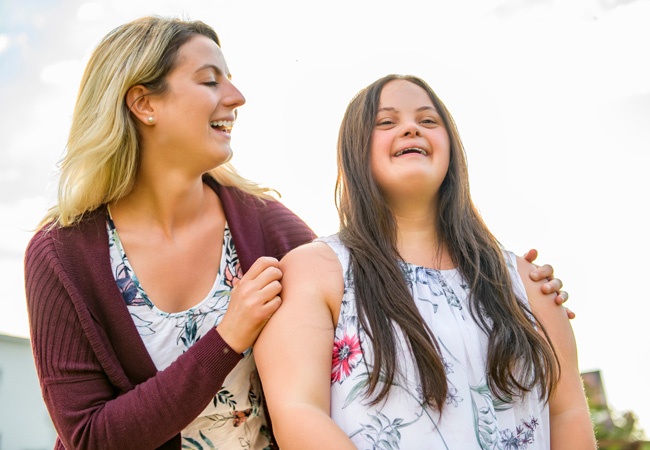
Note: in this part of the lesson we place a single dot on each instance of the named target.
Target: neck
(418, 240)
(168, 203)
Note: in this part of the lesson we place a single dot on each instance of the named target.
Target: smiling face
(195, 115)
(409, 154)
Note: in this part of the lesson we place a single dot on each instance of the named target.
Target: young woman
(158, 268)
(412, 328)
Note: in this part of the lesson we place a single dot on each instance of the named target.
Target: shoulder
(543, 305)
(246, 208)
(40, 248)
(313, 257)
(533, 288)
(67, 244)
(523, 268)
(313, 267)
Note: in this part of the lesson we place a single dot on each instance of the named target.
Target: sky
(551, 97)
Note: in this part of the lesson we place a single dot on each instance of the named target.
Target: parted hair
(519, 358)
(102, 153)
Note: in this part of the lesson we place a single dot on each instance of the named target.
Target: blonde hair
(102, 153)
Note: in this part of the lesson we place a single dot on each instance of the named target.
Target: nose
(233, 96)
(411, 129)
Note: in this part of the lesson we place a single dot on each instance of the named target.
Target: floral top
(234, 418)
(473, 418)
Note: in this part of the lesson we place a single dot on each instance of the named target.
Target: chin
(222, 157)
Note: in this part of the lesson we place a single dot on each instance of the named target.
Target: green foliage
(617, 431)
(614, 431)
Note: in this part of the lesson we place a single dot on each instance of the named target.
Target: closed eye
(211, 83)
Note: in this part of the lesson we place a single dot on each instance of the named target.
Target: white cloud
(18, 221)
(90, 11)
(4, 42)
(62, 72)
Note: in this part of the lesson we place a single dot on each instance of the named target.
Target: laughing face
(195, 116)
(410, 145)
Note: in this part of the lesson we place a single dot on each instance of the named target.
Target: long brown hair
(518, 356)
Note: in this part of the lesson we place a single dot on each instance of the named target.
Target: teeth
(411, 149)
(222, 123)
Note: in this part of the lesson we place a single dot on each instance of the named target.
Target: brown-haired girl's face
(409, 154)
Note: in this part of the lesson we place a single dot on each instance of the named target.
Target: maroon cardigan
(98, 381)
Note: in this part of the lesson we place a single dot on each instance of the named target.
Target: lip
(222, 132)
(223, 126)
(411, 150)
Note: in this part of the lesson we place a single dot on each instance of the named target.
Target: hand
(553, 285)
(253, 301)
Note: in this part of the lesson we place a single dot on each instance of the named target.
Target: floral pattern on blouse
(472, 418)
(234, 418)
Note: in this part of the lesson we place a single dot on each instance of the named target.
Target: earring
(150, 120)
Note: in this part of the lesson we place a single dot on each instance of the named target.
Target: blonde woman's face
(194, 118)
(410, 146)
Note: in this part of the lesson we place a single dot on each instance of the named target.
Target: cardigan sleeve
(260, 227)
(92, 406)
(283, 229)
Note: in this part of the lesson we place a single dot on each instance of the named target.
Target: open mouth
(410, 150)
(224, 126)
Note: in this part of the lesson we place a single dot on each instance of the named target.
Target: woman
(412, 328)
(116, 339)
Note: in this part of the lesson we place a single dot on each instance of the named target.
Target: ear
(137, 99)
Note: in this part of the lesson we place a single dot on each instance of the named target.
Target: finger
(554, 285)
(570, 314)
(270, 291)
(248, 285)
(268, 276)
(562, 297)
(269, 308)
(541, 272)
(530, 255)
(260, 265)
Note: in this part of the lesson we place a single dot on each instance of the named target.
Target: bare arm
(570, 423)
(297, 384)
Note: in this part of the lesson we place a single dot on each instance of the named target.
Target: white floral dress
(473, 418)
(234, 417)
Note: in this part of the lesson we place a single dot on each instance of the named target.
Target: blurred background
(552, 99)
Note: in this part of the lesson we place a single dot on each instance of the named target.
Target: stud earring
(150, 120)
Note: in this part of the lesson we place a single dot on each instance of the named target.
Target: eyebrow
(218, 71)
(421, 108)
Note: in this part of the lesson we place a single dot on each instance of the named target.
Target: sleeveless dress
(234, 418)
(473, 418)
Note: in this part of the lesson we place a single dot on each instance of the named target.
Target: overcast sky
(552, 99)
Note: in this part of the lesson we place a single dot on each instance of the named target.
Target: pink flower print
(232, 279)
(240, 417)
(346, 355)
